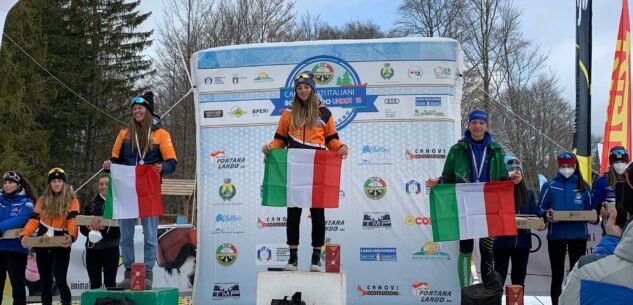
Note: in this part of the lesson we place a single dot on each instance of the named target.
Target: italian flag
(133, 191)
(302, 178)
(472, 210)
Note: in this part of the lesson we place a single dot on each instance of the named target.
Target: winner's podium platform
(156, 296)
(317, 288)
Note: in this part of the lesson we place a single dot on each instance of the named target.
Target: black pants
(102, 260)
(519, 259)
(557, 250)
(486, 266)
(53, 262)
(14, 263)
(318, 226)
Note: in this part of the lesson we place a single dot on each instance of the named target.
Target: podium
(156, 296)
(318, 288)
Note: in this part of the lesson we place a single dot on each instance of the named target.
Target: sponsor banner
(396, 104)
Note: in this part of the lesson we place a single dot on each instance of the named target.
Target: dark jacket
(561, 194)
(111, 235)
(14, 213)
(523, 239)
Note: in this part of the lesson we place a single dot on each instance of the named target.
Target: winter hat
(147, 100)
(305, 77)
(618, 153)
(512, 162)
(13, 176)
(566, 158)
(478, 114)
(57, 173)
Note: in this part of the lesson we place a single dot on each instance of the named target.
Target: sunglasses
(11, 175)
(565, 155)
(618, 152)
(304, 75)
(139, 100)
(56, 170)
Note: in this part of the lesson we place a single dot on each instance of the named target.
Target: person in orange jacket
(54, 215)
(307, 125)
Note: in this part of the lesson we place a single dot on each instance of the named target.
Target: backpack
(487, 293)
(296, 300)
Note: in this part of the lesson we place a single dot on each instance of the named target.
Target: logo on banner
(227, 190)
(375, 188)
(427, 113)
(263, 78)
(430, 251)
(271, 222)
(219, 157)
(236, 79)
(375, 155)
(226, 254)
(218, 80)
(376, 220)
(237, 112)
(339, 87)
(227, 223)
(411, 220)
(434, 101)
(415, 72)
(425, 153)
(392, 101)
(378, 255)
(256, 112)
(429, 295)
(381, 290)
(413, 188)
(209, 114)
(264, 255)
(323, 73)
(442, 73)
(386, 72)
(226, 290)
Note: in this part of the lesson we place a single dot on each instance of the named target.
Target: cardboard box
(514, 295)
(575, 215)
(528, 222)
(11, 234)
(84, 220)
(45, 241)
(332, 258)
(137, 277)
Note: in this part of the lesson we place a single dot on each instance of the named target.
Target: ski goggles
(139, 100)
(565, 155)
(304, 75)
(11, 176)
(618, 152)
(56, 170)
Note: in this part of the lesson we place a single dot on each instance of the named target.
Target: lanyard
(478, 169)
(138, 147)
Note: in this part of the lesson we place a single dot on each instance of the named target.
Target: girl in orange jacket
(54, 215)
(307, 125)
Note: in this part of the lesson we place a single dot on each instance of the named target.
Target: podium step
(156, 296)
(317, 288)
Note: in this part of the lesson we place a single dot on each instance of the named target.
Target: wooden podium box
(156, 296)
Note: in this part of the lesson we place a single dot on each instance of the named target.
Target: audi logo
(392, 101)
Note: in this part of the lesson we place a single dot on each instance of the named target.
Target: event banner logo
(378, 255)
(375, 155)
(222, 161)
(271, 254)
(228, 223)
(226, 254)
(338, 85)
(429, 295)
(376, 220)
(226, 290)
(377, 290)
(430, 251)
(271, 222)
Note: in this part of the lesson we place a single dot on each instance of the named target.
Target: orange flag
(617, 130)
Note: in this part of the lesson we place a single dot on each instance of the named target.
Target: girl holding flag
(308, 124)
(16, 205)
(54, 215)
(566, 192)
(144, 142)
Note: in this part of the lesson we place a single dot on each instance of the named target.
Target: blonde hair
(140, 130)
(56, 205)
(305, 113)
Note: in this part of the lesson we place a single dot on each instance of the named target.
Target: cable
(89, 179)
(62, 83)
(178, 102)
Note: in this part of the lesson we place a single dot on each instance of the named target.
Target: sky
(548, 24)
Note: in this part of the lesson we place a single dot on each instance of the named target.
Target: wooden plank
(44, 241)
(11, 234)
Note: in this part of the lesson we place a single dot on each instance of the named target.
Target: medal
(141, 162)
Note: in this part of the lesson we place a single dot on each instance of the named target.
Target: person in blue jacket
(16, 205)
(516, 248)
(565, 192)
(604, 188)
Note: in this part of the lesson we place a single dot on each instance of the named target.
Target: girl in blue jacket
(566, 192)
(16, 205)
(604, 188)
(516, 248)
